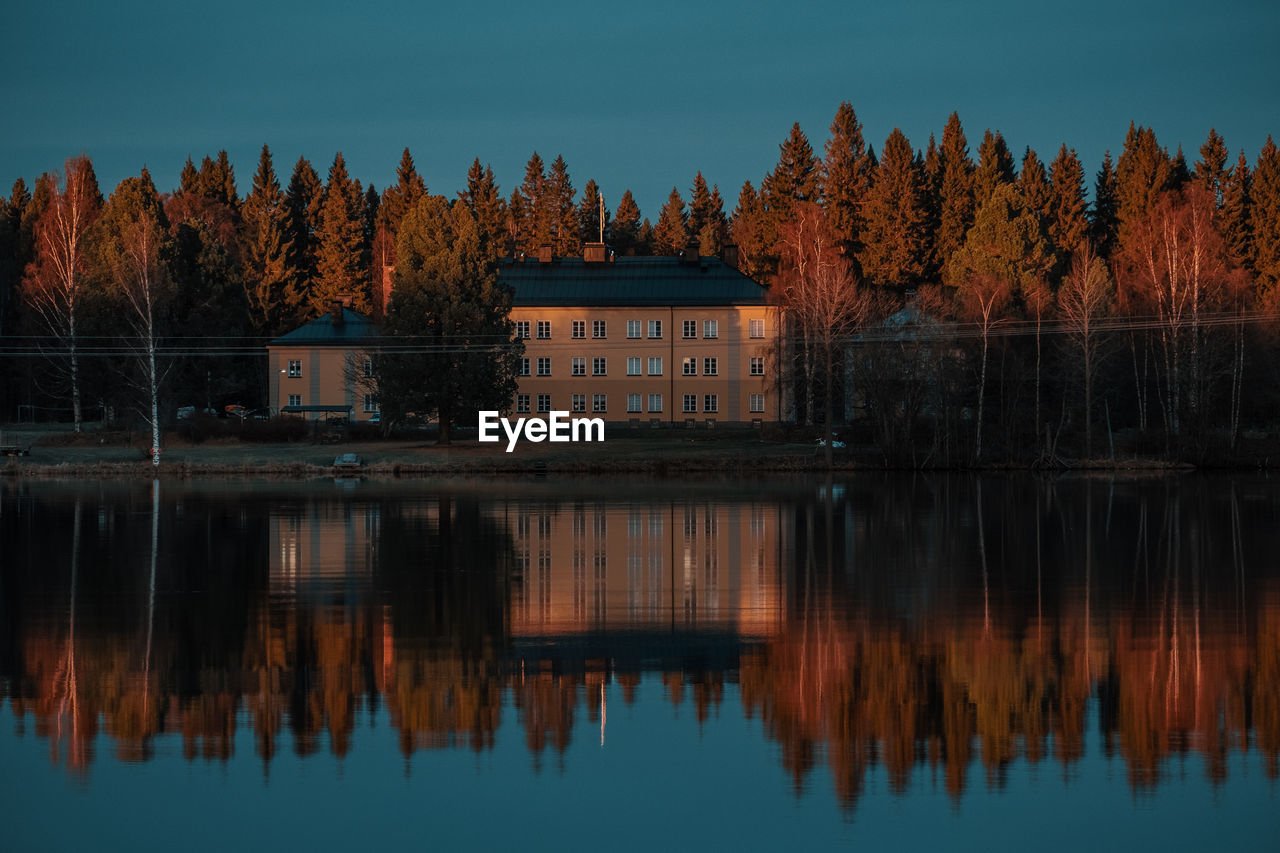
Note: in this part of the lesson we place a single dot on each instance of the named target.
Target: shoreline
(388, 460)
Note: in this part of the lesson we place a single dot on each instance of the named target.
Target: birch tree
(55, 284)
(1084, 300)
(133, 240)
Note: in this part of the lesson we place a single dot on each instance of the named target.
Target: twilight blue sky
(636, 95)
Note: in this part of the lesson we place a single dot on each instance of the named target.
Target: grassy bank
(103, 454)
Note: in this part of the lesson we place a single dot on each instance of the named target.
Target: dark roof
(629, 281)
(354, 328)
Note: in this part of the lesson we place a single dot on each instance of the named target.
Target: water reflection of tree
(1138, 600)
(446, 573)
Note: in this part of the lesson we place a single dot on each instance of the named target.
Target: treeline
(930, 289)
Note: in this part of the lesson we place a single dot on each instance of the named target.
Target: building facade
(633, 340)
(318, 370)
(650, 340)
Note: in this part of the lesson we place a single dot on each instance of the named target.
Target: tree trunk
(829, 408)
(982, 393)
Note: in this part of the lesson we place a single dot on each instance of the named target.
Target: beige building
(642, 339)
(317, 370)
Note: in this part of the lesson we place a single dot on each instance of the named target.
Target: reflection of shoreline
(439, 610)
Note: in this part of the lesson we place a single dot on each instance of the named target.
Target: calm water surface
(923, 662)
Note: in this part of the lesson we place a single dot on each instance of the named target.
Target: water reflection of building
(596, 566)
(321, 542)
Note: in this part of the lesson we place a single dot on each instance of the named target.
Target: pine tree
(930, 167)
(894, 253)
(271, 286)
(700, 212)
(1179, 174)
(561, 212)
(447, 296)
(339, 273)
(711, 235)
(625, 232)
(1264, 217)
(1066, 221)
(846, 178)
(793, 180)
(955, 194)
(644, 238)
(399, 198)
(189, 179)
(1104, 219)
(1237, 234)
(486, 205)
(1033, 181)
(535, 229)
(589, 214)
(671, 234)
(304, 201)
(1143, 172)
(1211, 168)
(995, 168)
(748, 231)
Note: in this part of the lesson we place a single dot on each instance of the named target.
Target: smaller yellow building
(318, 370)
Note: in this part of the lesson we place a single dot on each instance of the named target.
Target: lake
(923, 661)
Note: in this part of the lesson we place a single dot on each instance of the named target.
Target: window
(599, 367)
(295, 399)
(655, 402)
(599, 402)
(690, 367)
(757, 328)
(709, 366)
(633, 366)
(655, 328)
(370, 404)
(598, 329)
(757, 403)
(524, 367)
(579, 367)
(522, 329)
(710, 403)
(544, 330)
(690, 403)
(710, 329)
(544, 366)
(295, 371)
(633, 402)
(633, 328)
(757, 365)
(368, 368)
(544, 402)
(655, 366)
(690, 328)
(579, 402)
(522, 403)
(579, 329)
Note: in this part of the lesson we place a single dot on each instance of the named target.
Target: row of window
(600, 329)
(600, 366)
(370, 402)
(600, 403)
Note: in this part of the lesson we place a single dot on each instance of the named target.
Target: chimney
(544, 253)
(729, 254)
(335, 311)
(690, 255)
(594, 253)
